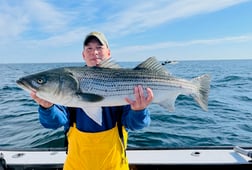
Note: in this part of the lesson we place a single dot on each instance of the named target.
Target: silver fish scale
(120, 82)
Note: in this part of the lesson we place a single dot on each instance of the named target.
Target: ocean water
(228, 121)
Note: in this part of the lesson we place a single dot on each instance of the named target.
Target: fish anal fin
(170, 107)
(169, 103)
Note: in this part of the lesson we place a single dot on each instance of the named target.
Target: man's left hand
(141, 101)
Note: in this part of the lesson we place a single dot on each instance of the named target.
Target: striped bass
(90, 88)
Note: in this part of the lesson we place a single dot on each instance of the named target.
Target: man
(90, 145)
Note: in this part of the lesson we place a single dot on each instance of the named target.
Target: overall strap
(120, 130)
(72, 120)
(72, 115)
(119, 126)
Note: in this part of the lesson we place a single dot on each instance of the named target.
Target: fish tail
(203, 88)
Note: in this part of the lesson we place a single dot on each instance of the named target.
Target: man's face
(94, 53)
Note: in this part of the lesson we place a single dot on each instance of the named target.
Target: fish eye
(41, 80)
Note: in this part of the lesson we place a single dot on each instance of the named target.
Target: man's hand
(40, 101)
(141, 101)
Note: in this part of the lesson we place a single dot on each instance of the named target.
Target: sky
(47, 31)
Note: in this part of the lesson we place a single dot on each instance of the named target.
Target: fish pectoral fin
(169, 103)
(95, 113)
(89, 97)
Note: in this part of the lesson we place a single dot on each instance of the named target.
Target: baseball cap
(100, 36)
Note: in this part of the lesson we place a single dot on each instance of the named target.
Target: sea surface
(228, 121)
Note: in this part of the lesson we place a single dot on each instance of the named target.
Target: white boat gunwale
(150, 158)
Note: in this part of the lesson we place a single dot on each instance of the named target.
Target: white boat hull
(224, 158)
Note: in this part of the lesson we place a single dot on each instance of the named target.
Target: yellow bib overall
(96, 151)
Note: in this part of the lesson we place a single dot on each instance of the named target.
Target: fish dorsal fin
(152, 64)
(109, 63)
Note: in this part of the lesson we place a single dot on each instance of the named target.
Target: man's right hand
(40, 101)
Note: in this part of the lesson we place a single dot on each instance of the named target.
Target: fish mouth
(24, 85)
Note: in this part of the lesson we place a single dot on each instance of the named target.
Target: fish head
(56, 86)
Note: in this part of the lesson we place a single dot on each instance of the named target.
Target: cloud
(21, 19)
(44, 16)
(148, 14)
(70, 37)
(12, 20)
(48, 24)
(171, 44)
(43, 19)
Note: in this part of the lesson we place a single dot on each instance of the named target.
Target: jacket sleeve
(135, 120)
(53, 117)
